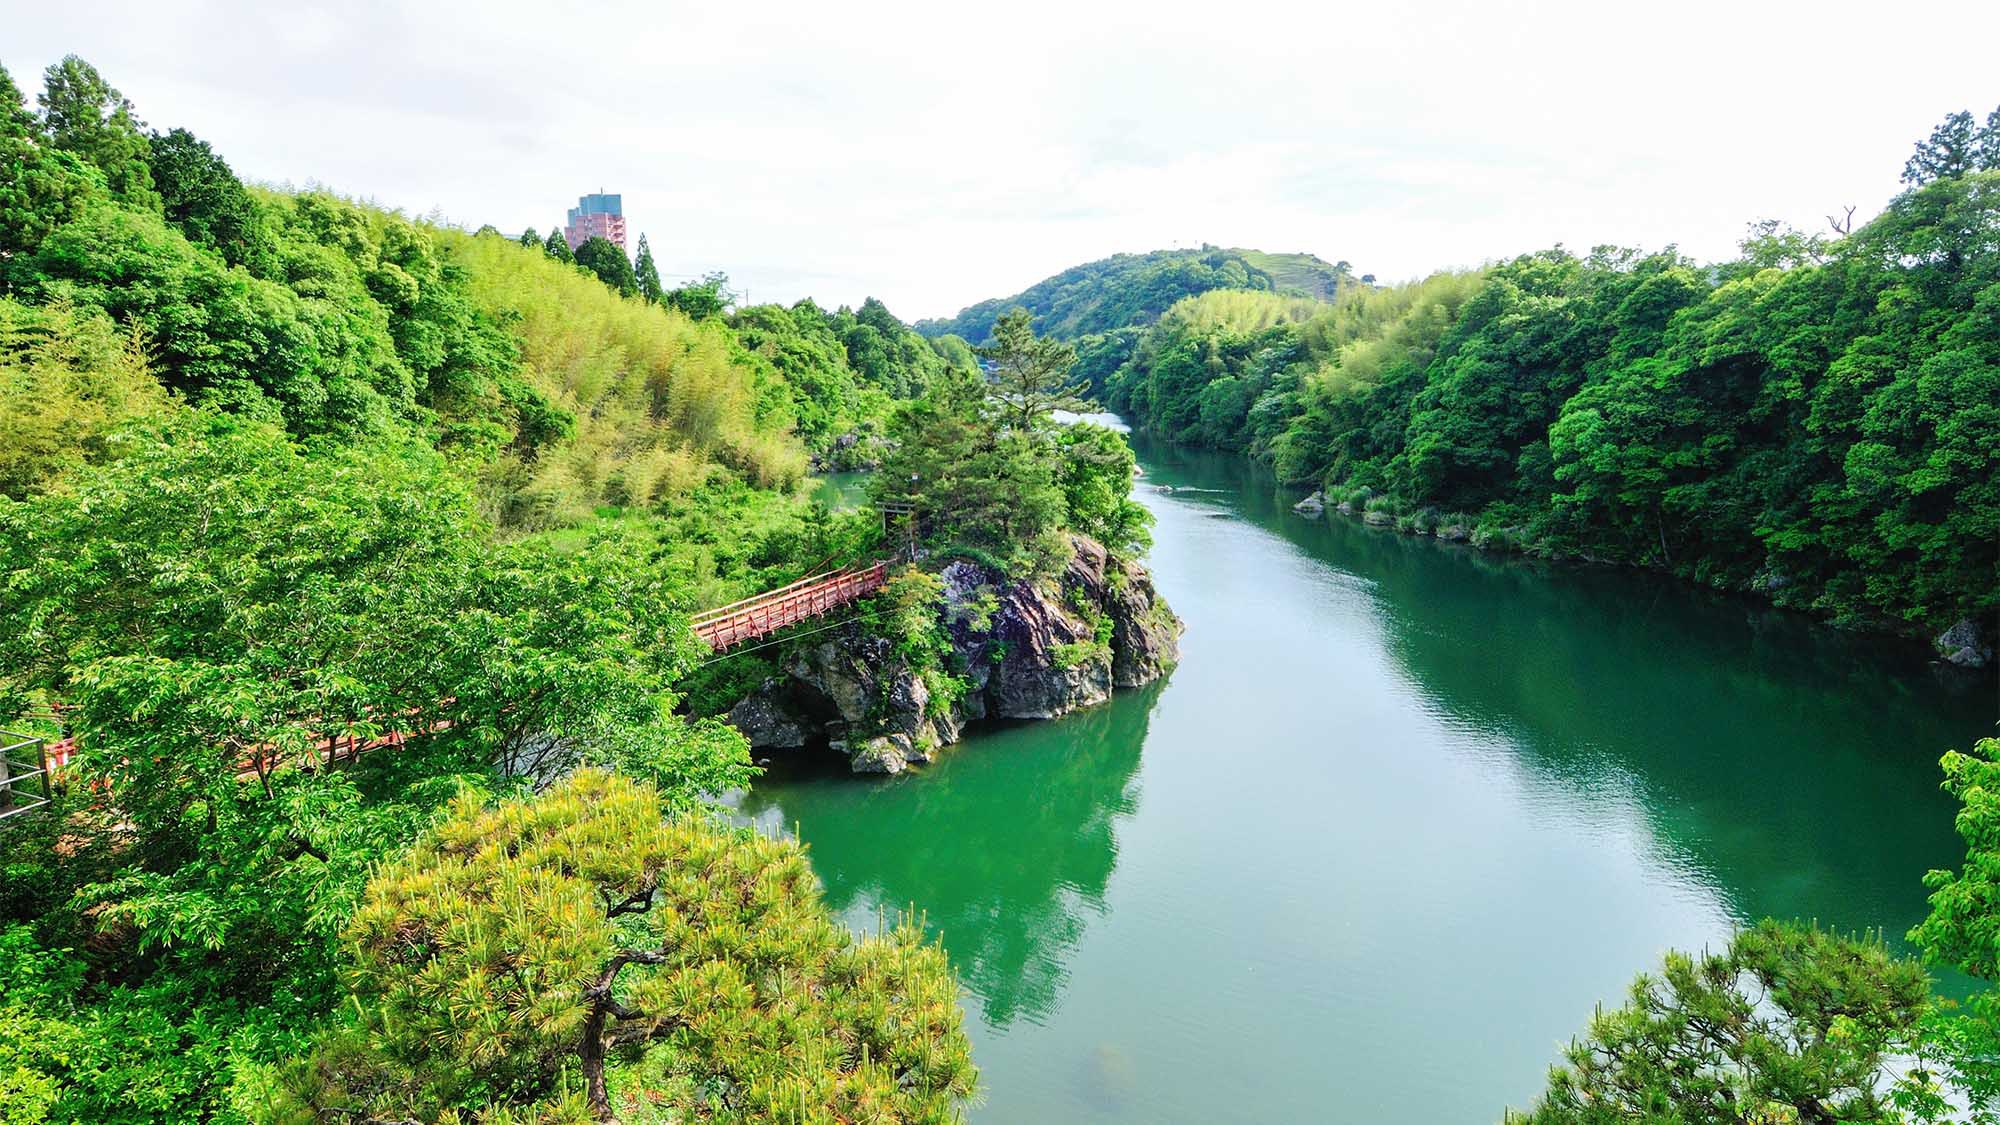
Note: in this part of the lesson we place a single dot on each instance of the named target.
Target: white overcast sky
(937, 153)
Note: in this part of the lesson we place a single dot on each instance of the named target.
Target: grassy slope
(1307, 273)
(657, 398)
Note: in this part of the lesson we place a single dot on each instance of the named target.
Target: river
(1403, 815)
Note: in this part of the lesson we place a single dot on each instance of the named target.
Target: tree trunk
(591, 1053)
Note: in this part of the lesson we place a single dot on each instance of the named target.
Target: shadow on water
(1793, 763)
(1006, 846)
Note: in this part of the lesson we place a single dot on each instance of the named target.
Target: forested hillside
(1127, 290)
(1811, 421)
(282, 476)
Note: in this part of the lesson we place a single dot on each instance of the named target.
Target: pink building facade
(596, 216)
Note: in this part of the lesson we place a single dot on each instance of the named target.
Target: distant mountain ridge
(1134, 289)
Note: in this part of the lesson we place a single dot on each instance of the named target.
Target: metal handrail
(708, 615)
(768, 612)
(14, 771)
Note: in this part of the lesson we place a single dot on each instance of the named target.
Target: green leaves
(1097, 472)
(221, 596)
(1031, 374)
(645, 273)
(519, 943)
(1963, 929)
(603, 258)
(86, 116)
(1789, 1023)
(989, 471)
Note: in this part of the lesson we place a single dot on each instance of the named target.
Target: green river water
(1403, 815)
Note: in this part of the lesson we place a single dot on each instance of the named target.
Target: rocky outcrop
(1019, 650)
(1312, 505)
(1966, 645)
(853, 451)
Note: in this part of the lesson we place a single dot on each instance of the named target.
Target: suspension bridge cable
(767, 644)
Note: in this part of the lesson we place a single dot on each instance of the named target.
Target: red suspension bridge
(28, 763)
(757, 617)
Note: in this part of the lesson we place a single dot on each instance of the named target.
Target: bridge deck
(760, 616)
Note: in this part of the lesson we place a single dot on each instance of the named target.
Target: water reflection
(1408, 812)
(1007, 846)
(1755, 743)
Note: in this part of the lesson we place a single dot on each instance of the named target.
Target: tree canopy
(520, 943)
(646, 273)
(314, 517)
(1803, 422)
(1788, 1023)
(986, 468)
(1135, 289)
(602, 257)
(1963, 929)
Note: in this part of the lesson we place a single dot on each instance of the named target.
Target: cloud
(934, 155)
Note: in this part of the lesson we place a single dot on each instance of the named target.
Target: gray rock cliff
(1023, 649)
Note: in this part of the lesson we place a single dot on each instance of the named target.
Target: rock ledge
(1027, 650)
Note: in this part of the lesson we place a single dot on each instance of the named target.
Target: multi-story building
(601, 216)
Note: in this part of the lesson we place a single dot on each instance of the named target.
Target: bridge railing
(24, 773)
(773, 610)
(719, 612)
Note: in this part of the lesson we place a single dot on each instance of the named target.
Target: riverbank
(1399, 802)
(1969, 643)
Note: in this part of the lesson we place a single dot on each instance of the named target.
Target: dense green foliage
(985, 469)
(609, 264)
(498, 962)
(84, 376)
(1793, 1024)
(284, 476)
(84, 115)
(846, 368)
(1811, 421)
(646, 273)
(557, 247)
(1787, 1024)
(218, 598)
(1134, 289)
(1963, 930)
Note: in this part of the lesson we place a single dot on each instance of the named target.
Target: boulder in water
(1966, 645)
(880, 754)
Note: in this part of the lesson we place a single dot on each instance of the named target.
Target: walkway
(766, 613)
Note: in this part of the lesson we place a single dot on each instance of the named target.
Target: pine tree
(494, 960)
(530, 239)
(1958, 146)
(1790, 1023)
(85, 115)
(648, 274)
(40, 187)
(1032, 374)
(557, 247)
